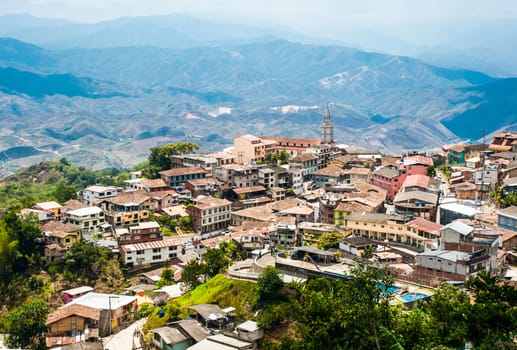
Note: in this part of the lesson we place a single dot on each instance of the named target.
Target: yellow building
(127, 209)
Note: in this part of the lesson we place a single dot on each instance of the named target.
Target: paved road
(124, 339)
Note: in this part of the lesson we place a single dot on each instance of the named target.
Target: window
(139, 252)
(172, 255)
(172, 248)
(156, 250)
(157, 257)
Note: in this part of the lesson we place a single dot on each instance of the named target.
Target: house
(356, 245)
(331, 173)
(386, 258)
(504, 142)
(155, 252)
(116, 311)
(451, 264)
(415, 165)
(251, 239)
(360, 174)
(428, 231)
(178, 336)
(248, 197)
(60, 233)
(211, 315)
(71, 294)
(175, 178)
(221, 342)
(249, 149)
(209, 186)
(126, 208)
(163, 199)
(142, 232)
(210, 214)
(507, 218)
(284, 235)
(389, 179)
(205, 161)
(416, 203)
(51, 206)
(458, 236)
(383, 227)
(453, 211)
(276, 193)
(90, 220)
(91, 194)
(71, 324)
(59, 238)
(249, 331)
(237, 175)
(307, 162)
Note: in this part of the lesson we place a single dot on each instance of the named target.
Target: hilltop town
(310, 208)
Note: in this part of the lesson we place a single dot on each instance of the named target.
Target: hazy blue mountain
(14, 81)
(108, 106)
(495, 108)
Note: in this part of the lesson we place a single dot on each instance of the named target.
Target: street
(125, 339)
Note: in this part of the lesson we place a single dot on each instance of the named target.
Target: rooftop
(182, 171)
(101, 301)
(417, 159)
(207, 202)
(59, 229)
(250, 189)
(376, 217)
(171, 242)
(459, 227)
(330, 170)
(459, 208)
(387, 171)
(85, 211)
(170, 335)
(510, 211)
(416, 181)
(425, 226)
(47, 205)
(100, 189)
(153, 183)
(73, 309)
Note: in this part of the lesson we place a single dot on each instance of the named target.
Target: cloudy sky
(404, 23)
(299, 14)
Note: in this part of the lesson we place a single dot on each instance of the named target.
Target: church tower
(327, 129)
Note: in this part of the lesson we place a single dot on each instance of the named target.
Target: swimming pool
(409, 297)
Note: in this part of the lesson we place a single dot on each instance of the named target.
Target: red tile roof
(416, 181)
(426, 226)
(182, 171)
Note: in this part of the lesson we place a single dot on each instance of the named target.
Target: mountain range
(104, 105)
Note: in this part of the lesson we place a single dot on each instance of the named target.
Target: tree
(62, 193)
(166, 278)
(193, 275)
(160, 157)
(493, 316)
(448, 308)
(215, 261)
(330, 240)
(26, 325)
(431, 171)
(86, 260)
(269, 284)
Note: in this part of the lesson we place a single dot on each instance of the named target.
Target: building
(209, 214)
(415, 165)
(381, 227)
(116, 311)
(91, 194)
(72, 294)
(331, 173)
(175, 178)
(293, 146)
(428, 231)
(209, 186)
(237, 175)
(127, 209)
(51, 206)
(450, 264)
(360, 174)
(179, 335)
(416, 203)
(148, 185)
(389, 179)
(507, 218)
(72, 324)
(504, 142)
(249, 149)
(357, 246)
(307, 162)
(327, 129)
(248, 197)
(284, 235)
(155, 252)
(59, 237)
(90, 220)
(453, 211)
(142, 232)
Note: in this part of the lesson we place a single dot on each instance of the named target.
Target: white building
(151, 252)
(91, 194)
(90, 220)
